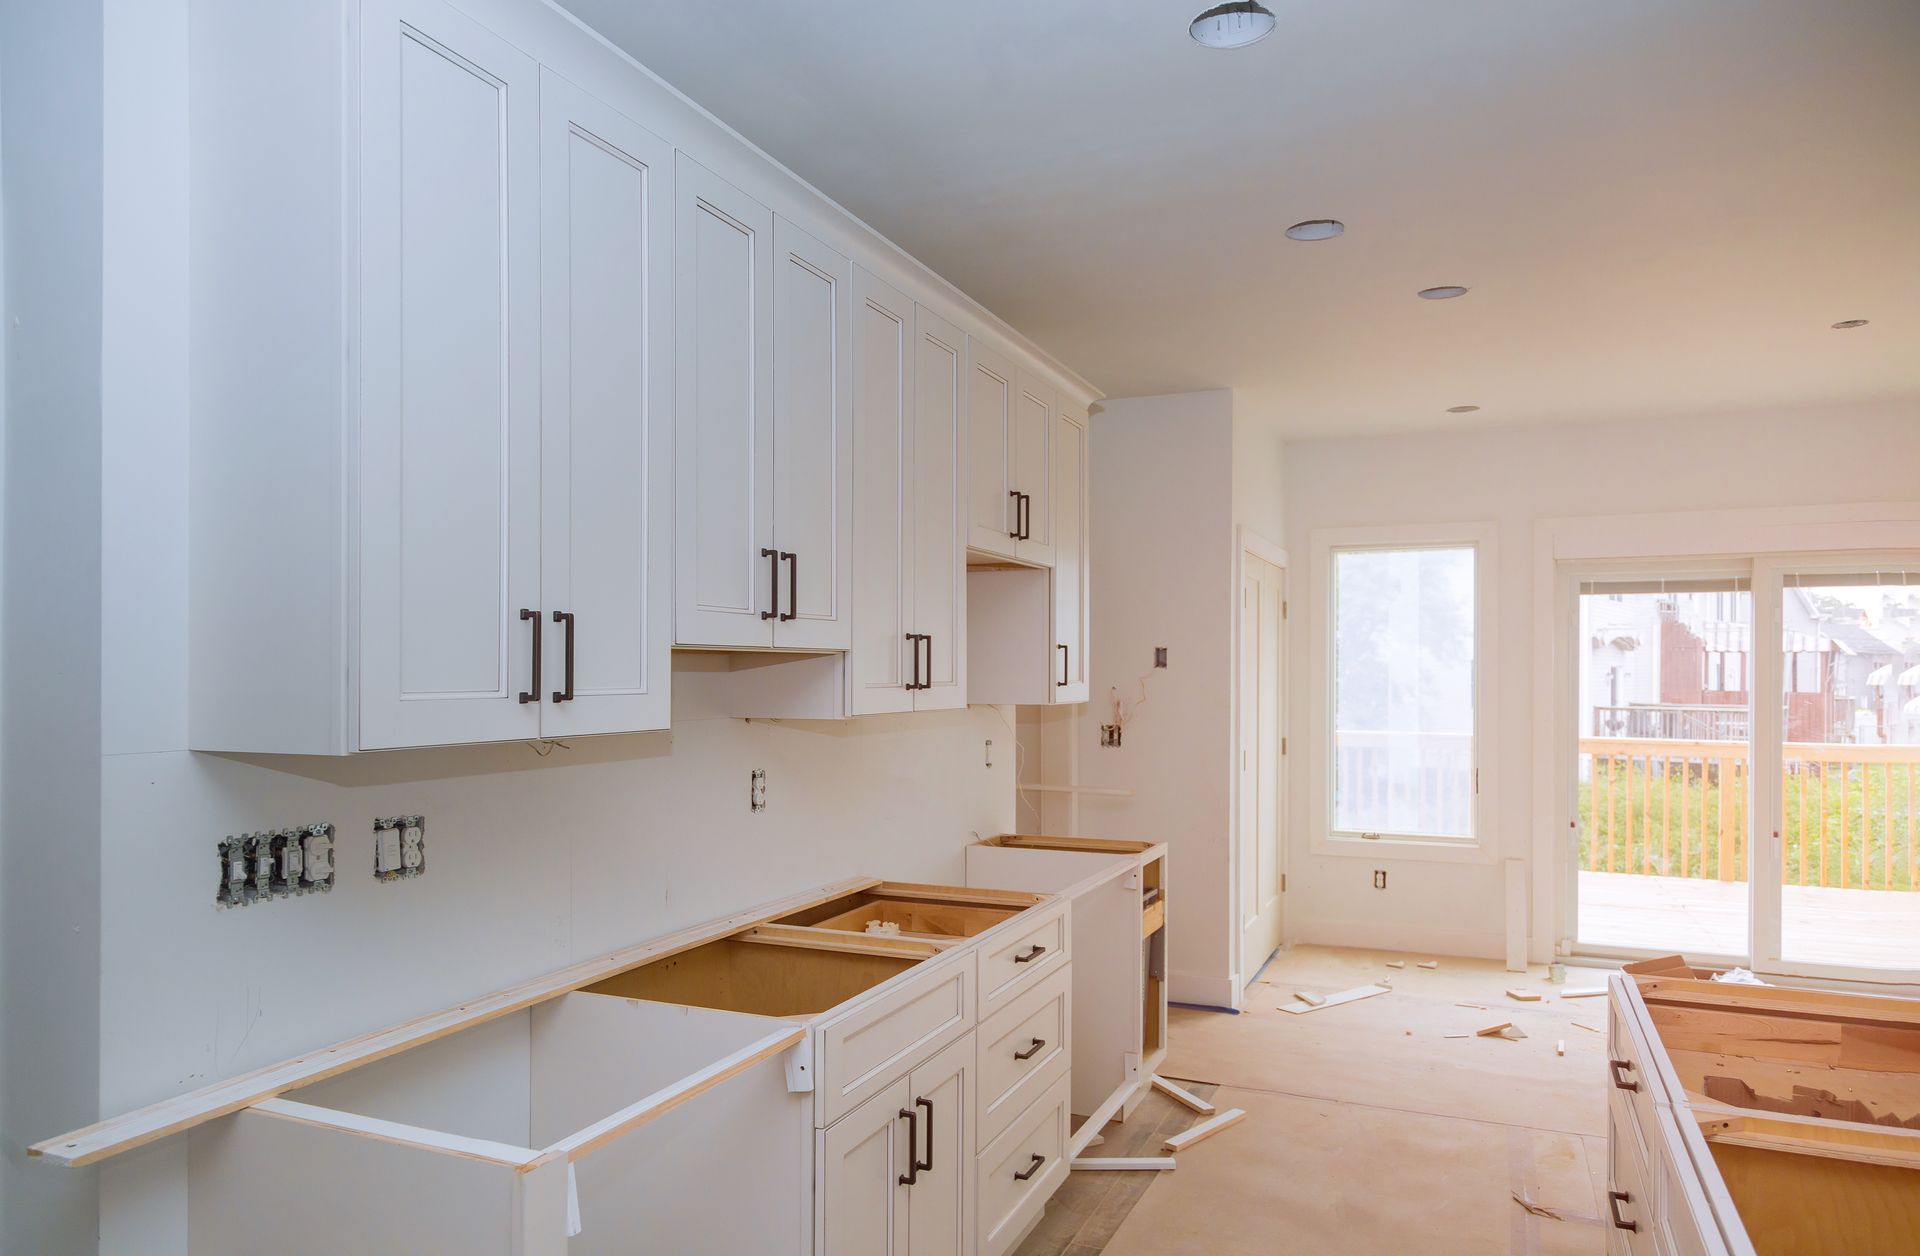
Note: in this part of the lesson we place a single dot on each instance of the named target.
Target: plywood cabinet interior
(909, 616)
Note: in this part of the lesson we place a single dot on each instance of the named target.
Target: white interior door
(990, 393)
(450, 403)
(881, 664)
(813, 440)
(1069, 511)
(723, 413)
(863, 1156)
(939, 511)
(1032, 474)
(606, 300)
(1262, 597)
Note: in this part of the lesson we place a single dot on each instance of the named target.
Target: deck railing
(1679, 809)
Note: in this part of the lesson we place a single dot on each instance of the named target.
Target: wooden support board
(1182, 1096)
(1125, 1164)
(1206, 1129)
(1335, 1000)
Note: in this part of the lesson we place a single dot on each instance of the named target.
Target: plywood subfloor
(1367, 1131)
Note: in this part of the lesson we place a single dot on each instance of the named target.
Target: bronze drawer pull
(912, 1118)
(1614, 1200)
(1034, 954)
(1615, 1066)
(1032, 1169)
(1030, 1052)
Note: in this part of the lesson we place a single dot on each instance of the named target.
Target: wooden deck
(1868, 928)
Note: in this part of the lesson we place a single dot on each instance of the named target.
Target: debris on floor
(1478, 1007)
(1560, 1046)
(1583, 992)
(1205, 1130)
(1538, 1210)
(1149, 1164)
(1429, 963)
(1524, 996)
(1185, 1098)
(1314, 1003)
(1505, 1029)
(1396, 963)
(1592, 1029)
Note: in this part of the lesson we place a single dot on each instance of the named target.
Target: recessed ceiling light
(1232, 25)
(1446, 292)
(1846, 324)
(1461, 409)
(1316, 229)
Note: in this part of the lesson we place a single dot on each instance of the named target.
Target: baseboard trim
(1382, 935)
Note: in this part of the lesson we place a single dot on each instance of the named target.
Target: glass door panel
(1850, 761)
(1665, 728)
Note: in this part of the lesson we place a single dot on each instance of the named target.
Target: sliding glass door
(1840, 891)
(1663, 732)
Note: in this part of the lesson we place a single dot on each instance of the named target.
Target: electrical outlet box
(1159, 656)
(757, 790)
(255, 867)
(1379, 878)
(1110, 734)
(399, 847)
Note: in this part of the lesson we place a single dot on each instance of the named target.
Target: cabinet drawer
(863, 1049)
(1022, 958)
(1627, 1210)
(1631, 1079)
(1035, 1145)
(1036, 1025)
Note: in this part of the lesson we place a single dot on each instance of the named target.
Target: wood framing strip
(812, 938)
(667, 1098)
(482, 1149)
(171, 1116)
(1017, 900)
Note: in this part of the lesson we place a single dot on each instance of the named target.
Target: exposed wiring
(1124, 710)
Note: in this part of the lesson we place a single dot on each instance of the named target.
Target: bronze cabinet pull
(565, 618)
(1030, 1052)
(533, 695)
(1065, 668)
(927, 1164)
(912, 1119)
(793, 586)
(1034, 954)
(1032, 1169)
(773, 582)
(1615, 1066)
(1614, 1200)
(1014, 531)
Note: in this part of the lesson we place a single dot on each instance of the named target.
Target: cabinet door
(881, 663)
(939, 510)
(990, 394)
(940, 1207)
(723, 412)
(605, 298)
(1032, 472)
(1069, 558)
(862, 1157)
(813, 440)
(450, 378)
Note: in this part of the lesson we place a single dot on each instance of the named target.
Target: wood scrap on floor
(1205, 1130)
(1181, 1096)
(1538, 1210)
(1560, 1046)
(1429, 963)
(1478, 1007)
(1333, 1000)
(1124, 1164)
(1583, 992)
(1524, 996)
(1456, 1035)
(1396, 963)
(1589, 1028)
(1310, 999)
(1505, 1029)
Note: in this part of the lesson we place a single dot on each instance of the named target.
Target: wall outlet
(1159, 656)
(1110, 734)
(1379, 878)
(757, 790)
(399, 847)
(255, 867)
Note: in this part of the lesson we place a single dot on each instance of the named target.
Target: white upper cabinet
(1070, 566)
(764, 426)
(939, 510)
(606, 299)
(725, 565)
(909, 545)
(995, 511)
(812, 441)
(450, 403)
(1030, 468)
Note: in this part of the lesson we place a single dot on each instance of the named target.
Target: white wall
(1515, 476)
(50, 170)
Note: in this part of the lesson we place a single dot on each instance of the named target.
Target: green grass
(1690, 789)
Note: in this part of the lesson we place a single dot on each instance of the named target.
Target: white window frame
(1482, 536)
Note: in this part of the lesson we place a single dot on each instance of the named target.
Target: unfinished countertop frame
(263, 1089)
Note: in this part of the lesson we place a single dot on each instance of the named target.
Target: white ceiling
(1660, 206)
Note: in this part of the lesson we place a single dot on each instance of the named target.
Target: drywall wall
(50, 172)
(1514, 477)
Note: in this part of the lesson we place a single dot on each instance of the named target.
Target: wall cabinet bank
(513, 371)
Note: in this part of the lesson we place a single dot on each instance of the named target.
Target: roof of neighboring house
(1854, 639)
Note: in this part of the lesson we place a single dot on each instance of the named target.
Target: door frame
(1248, 541)
(1561, 547)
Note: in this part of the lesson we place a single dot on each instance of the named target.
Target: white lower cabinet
(896, 1172)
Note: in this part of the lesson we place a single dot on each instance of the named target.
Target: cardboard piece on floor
(1335, 1000)
(1184, 1097)
(1205, 1130)
(1124, 1164)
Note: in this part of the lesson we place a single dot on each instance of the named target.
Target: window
(1402, 663)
